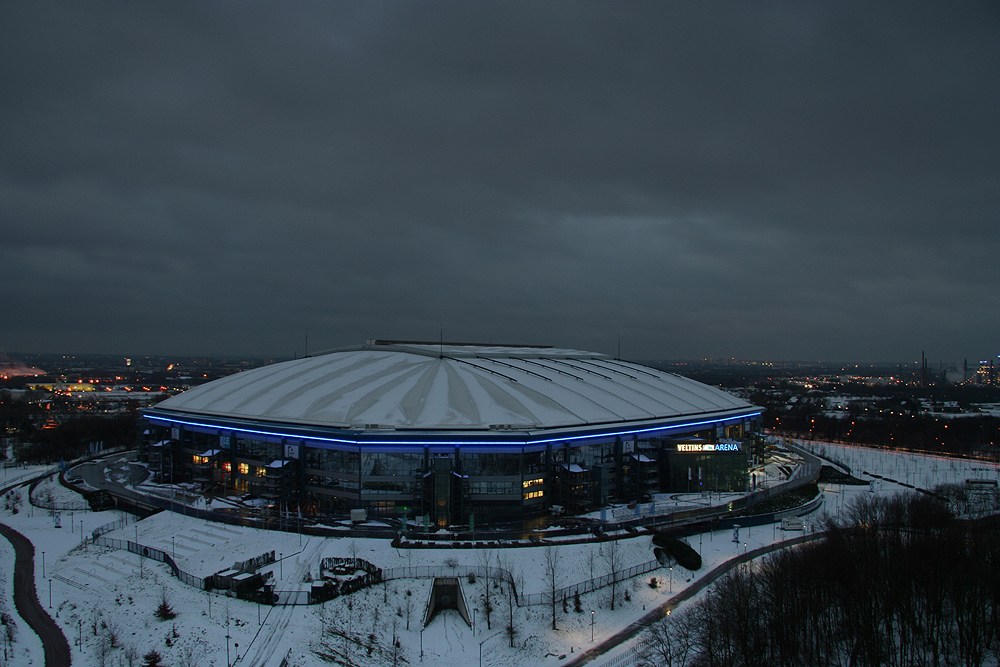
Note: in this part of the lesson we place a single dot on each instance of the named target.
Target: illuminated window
(533, 494)
(227, 466)
(198, 460)
(244, 468)
(532, 482)
(261, 471)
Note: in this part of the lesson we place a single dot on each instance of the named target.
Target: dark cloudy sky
(753, 180)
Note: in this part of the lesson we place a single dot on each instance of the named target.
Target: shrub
(164, 611)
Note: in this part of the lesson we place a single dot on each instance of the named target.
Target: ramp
(446, 593)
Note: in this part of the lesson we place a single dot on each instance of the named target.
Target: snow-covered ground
(96, 590)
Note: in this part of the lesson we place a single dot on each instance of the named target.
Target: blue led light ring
(458, 443)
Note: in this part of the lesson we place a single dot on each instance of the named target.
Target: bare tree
(485, 558)
(612, 555)
(191, 655)
(408, 606)
(551, 577)
(131, 655)
(509, 594)
(103, 649)
(670, 641)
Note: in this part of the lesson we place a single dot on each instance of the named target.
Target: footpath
(633, 629)
(56, 646)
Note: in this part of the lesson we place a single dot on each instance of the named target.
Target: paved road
(26, 600)
(634, 628)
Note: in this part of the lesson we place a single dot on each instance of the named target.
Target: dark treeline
(901, 584)
(72, 438)
(23, 423)
(969, 435)
(882, 423)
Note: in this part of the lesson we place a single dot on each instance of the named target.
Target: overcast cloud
(752, 180)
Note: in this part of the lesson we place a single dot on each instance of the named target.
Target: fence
(47, 503)
(590, 584)
(803, 476)
(152, 553)
(375, 575)
(634, 655)
(433, 571)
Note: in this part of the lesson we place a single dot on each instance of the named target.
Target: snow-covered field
(96, 590)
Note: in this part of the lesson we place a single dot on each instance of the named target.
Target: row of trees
(922, 432)
(21, 419)
(900, 583)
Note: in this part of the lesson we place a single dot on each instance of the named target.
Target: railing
(634, 655)
(589, 585)
(803, 476)
(433, 571)
(151, 553)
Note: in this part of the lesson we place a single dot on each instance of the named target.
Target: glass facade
(454, 484)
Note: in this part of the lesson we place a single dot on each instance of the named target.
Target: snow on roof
(452, 386)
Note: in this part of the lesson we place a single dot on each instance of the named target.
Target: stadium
(451, 434)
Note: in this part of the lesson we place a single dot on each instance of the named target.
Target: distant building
(456, 433)
(987, 373)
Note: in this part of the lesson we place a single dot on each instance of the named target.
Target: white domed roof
(453, 387)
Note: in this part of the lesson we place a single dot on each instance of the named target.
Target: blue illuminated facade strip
(306, 434)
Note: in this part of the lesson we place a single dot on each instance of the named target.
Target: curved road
(26, 600)
(634, 628)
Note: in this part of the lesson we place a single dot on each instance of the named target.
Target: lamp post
(671, 579)
(475, 611)
(50, 594)
(43, 565)
(421, 644)
(281, 565)
(592, 621)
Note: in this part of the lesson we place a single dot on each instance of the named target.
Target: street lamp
(421, 644)
(671, 579)
(281, 565)
(475, 611)
(43, 565)
(592, 621)
(138, 551)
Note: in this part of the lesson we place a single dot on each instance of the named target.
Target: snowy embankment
(98, 592)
